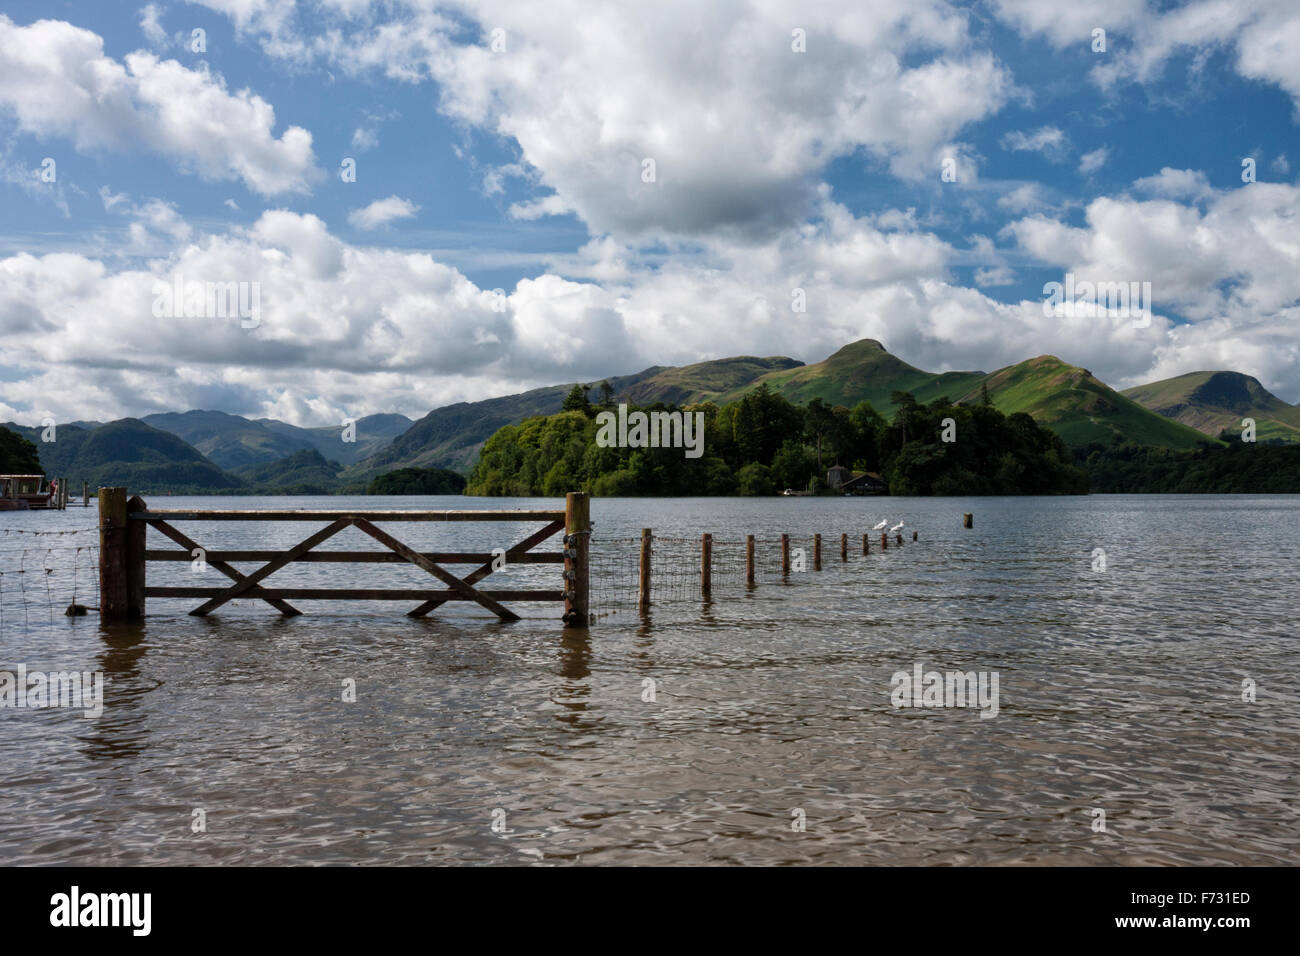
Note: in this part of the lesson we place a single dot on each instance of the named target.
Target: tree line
(762, 444)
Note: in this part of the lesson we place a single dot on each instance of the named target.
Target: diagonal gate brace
(293, 554)
(269, 596)
(463, 588)
(483, 570)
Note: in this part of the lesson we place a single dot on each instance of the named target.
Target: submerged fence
(635, 573)
(44, 574)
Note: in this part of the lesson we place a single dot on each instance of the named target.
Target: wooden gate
(124, 558)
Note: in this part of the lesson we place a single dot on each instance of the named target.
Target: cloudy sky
(550, 191)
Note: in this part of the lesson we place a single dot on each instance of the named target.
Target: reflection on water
(1120, 691)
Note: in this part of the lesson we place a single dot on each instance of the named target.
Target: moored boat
(24, 493)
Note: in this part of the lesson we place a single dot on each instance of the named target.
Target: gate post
(121, 558)
(577, 570)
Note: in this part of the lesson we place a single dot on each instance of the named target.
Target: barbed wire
(30, 577)
(69, 531)
(676, 564)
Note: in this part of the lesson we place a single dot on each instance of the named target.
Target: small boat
(24, 493)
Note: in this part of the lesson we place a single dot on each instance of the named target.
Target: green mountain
(304, 472)
(1079, 407)
(229, 441)
(451, 436)
(861, 371)
(703, 381)
(1213, 401)
(373, 433)
(232, 441)
(127, 453)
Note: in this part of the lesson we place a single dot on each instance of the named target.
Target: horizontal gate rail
(151, 515)
(358, 557)
(124, 558)
(359, 594)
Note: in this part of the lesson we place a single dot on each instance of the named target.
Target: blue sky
(514, 161)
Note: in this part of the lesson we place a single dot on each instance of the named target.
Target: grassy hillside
(229, 441)
(451, 436)
(305, 472)
(128, 453)
(374, 433)
(1213, 401)
(705, 380)
(1079, 407)
(861, 371)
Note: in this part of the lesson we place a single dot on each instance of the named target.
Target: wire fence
(676, 565)
(46, 573)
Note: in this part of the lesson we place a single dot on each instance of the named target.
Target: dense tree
(762, 444)
(417, 481)
(576, 400)
(18, 456)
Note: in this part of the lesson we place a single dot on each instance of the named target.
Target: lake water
(1119, 691)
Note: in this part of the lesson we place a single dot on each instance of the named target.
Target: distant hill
(305, 472)
(1213, 401)
(451, 436)
(127, 453)
(861, 371)
(1079, 407)
(229, 441)
(232, 441)
(373, 434)
(689, 384)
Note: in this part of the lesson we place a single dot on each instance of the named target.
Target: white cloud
(151, 28)
(381, 212)
(740, 126)
(365, 138)
(1175, 184)
(56, 81)
(1092, 161)
(1025, 198)
(1048, 140)
(1262, 35)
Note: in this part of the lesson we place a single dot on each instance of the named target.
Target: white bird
(881, 525)
(895, 527)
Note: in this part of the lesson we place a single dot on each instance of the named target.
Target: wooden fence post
(817, 552)
(136, 532)
(968, 520)
(706, 566)
(749, 560)
(844, 546)
(866, 546)
(577, 549)
(785, 555)
(85, 494)
(121, 561)
(884, 541)
(643, 594)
